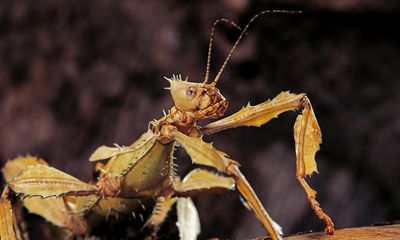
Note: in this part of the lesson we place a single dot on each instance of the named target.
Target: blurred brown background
(78, 74)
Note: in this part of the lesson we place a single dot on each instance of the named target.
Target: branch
(383, 232)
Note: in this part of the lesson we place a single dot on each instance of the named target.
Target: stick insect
(145, 170)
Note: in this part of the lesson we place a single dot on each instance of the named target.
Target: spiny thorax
(183, 121)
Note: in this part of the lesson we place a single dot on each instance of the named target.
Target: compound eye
(190, 91)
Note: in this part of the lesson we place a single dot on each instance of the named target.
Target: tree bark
(384, 232)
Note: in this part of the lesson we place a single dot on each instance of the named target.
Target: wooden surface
(384, 232)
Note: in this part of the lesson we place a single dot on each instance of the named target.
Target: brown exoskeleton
(144, 171)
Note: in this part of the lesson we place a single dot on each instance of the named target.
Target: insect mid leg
(205, 154)
(200, 181)
(255, 204)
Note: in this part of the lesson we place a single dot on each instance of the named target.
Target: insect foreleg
(307, 135)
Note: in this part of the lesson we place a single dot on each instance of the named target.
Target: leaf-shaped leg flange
(205, 154)
(307, 135)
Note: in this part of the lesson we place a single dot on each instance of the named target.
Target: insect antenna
(211, 42)
(241, 36)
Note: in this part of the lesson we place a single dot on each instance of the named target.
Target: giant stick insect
(145, 170)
